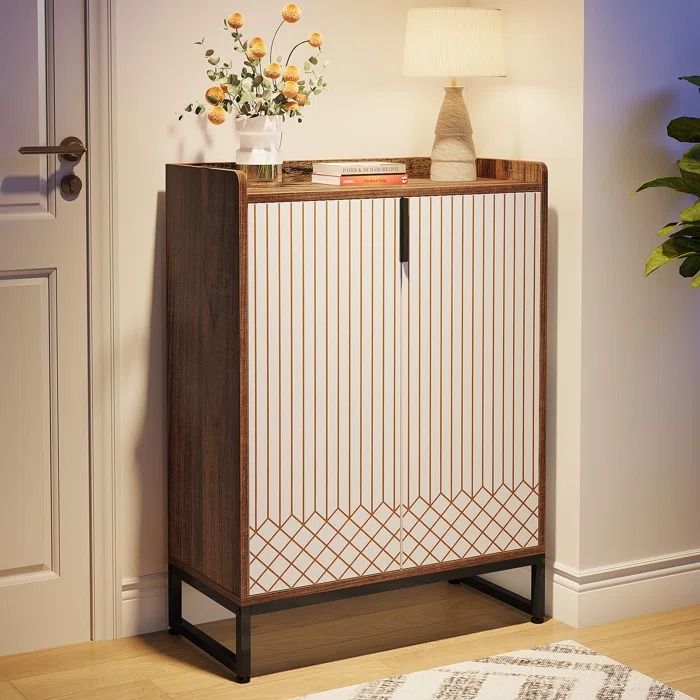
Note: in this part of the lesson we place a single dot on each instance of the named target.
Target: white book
(359, 168)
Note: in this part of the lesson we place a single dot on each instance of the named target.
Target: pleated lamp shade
(453, 42)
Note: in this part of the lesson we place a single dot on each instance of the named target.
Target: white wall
(621, 481)
(640, 449)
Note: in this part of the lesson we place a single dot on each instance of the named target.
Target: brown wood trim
(204, 370)
(243, 570)
(512, 170)
(419, 187)
(493, 176)
(392, 575)
(544, 221)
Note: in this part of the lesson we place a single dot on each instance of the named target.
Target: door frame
(103, 329)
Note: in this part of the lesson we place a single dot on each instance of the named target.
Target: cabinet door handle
(404, 227)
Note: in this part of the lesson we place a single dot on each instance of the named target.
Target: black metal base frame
(239, 662)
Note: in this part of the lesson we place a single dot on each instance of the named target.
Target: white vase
(259, 152)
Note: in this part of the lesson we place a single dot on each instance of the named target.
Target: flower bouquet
(261, 93)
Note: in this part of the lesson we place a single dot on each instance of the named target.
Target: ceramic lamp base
(454, 156)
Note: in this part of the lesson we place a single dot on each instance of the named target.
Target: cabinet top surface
(300, 191)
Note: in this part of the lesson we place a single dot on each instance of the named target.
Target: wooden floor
(376, 636)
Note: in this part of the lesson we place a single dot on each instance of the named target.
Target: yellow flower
(273, 71)
(290, 90)
(256, 49)
(235, 20)
(289, 106)
(214, 95)
(256, 40)
(315, 40)
(302, 99)
(291, 13)
(291, 74)
(217, 115)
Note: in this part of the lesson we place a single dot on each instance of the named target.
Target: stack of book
(354, 173)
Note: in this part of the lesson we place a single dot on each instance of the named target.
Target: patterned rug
(561, 671)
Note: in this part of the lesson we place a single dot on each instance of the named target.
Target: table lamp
(453, 42)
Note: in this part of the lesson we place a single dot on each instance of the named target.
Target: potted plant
(682, 236)
(260, 93)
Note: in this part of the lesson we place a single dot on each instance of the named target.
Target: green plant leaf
(690, 266)
(209, 52)
(674, 183)
(692, 213)
(688, 231)
(690, 162)
(313, 60)
(668, 229)
(693, 79)
(685, 129)
(686, 245)
(661, 255)
(696, 282)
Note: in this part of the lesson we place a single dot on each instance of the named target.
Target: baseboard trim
(596, 595)
(145, 605)
(580, 598)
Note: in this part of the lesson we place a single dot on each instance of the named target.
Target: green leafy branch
(683, 236)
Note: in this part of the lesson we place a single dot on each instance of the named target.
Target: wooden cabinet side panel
(205, 391)
(472, 375)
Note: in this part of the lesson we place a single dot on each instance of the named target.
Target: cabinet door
(471, 376)
(324, 465)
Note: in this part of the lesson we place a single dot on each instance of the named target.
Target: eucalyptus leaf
(214, 60)
(313, 60)
(211, 74)
(685, 129)
(690, 266)
(257, 80)
(307, 66)
(209, 52)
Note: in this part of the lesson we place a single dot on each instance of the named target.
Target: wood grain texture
(493, 176)
(543, 175)
(387, 634)
(206, 372)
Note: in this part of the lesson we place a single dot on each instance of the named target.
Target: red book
(355, 180)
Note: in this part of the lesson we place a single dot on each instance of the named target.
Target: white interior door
(44, 476)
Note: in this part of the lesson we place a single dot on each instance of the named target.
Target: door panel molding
(30, 353)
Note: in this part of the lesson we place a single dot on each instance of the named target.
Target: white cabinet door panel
(324, 287)
(471, 373)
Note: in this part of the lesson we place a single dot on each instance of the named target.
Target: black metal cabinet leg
(243, 667)
(537, 592)
(174, 601)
